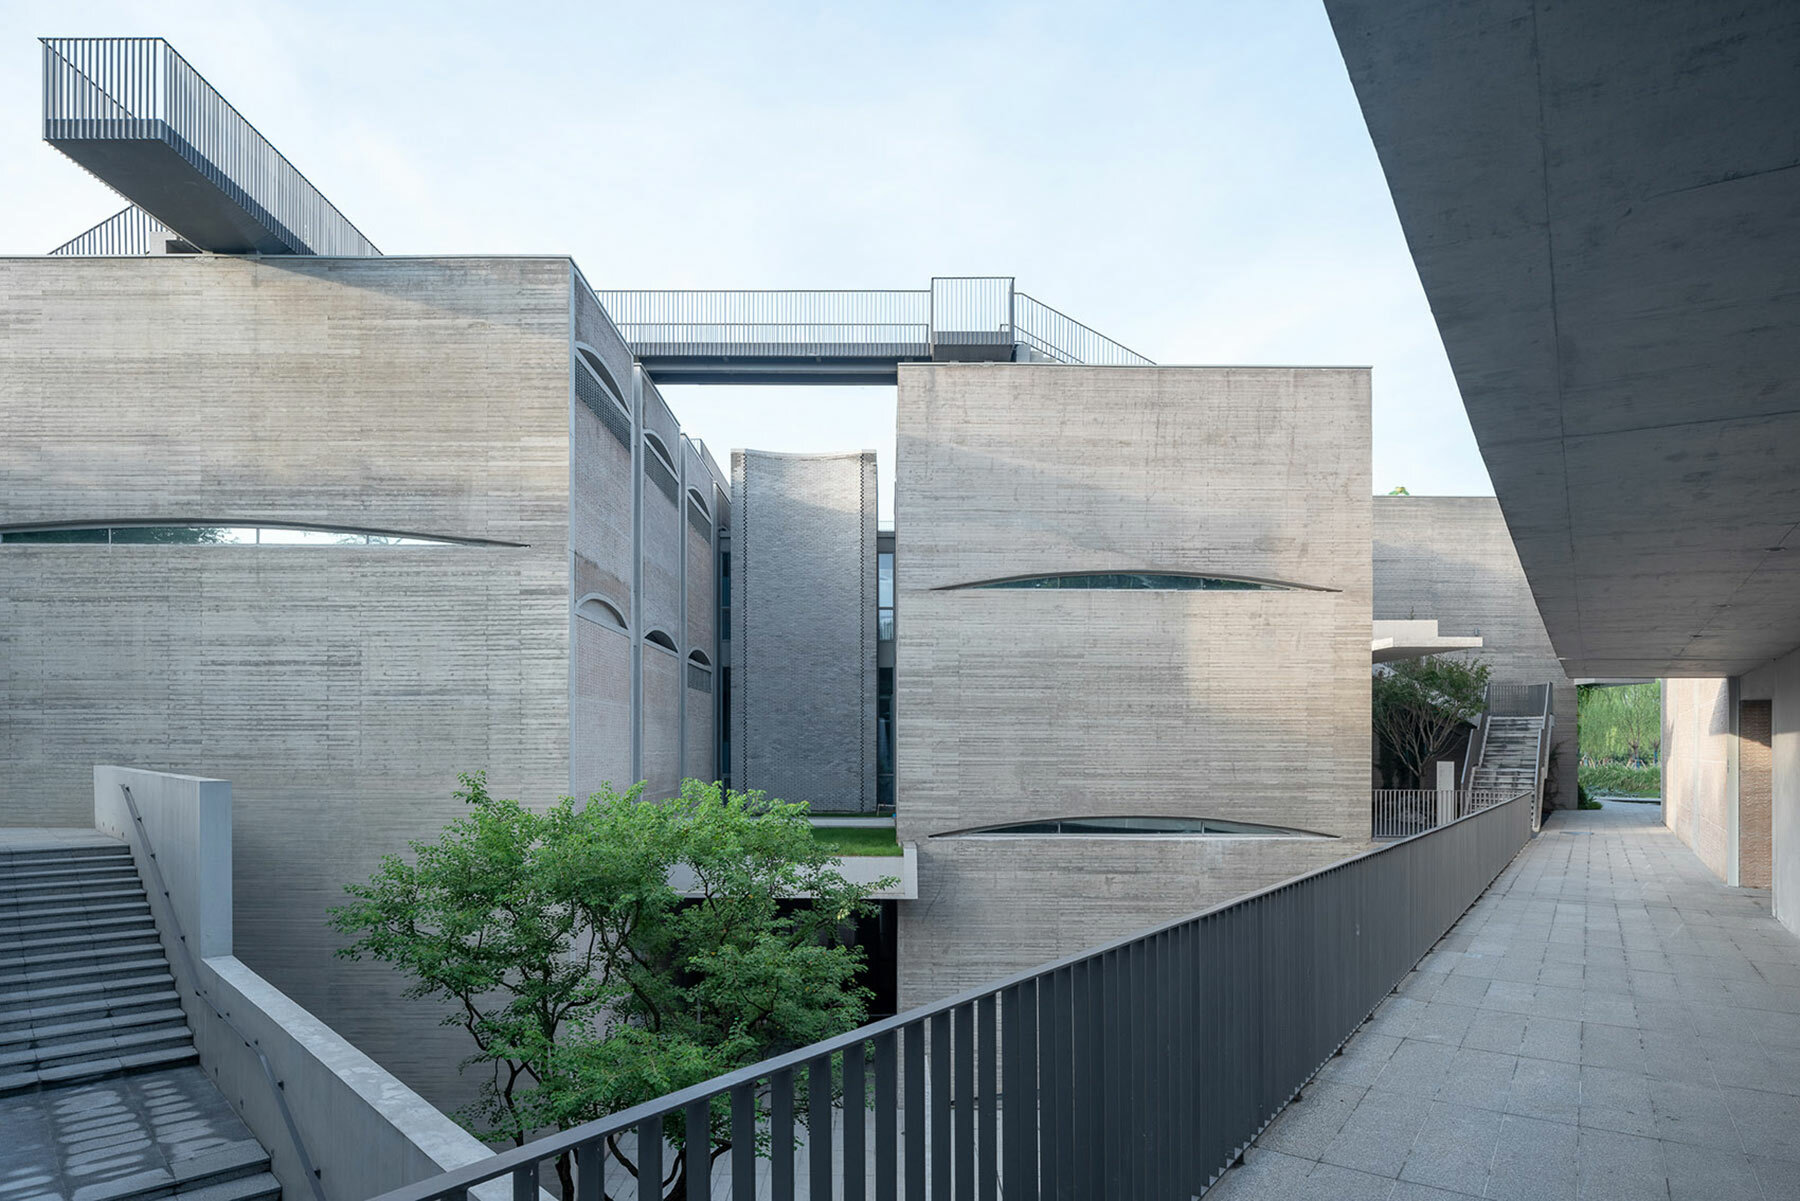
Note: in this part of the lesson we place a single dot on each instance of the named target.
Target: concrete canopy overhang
(1413, 639)
(1603, 204)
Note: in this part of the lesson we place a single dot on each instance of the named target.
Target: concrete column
(1446, 791)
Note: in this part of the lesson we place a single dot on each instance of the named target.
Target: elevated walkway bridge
(201, 179)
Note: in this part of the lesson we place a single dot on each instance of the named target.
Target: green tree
(1419, 704)
(586, 981)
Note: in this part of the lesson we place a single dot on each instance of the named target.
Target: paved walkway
(1608, 1021)
(75, 1140)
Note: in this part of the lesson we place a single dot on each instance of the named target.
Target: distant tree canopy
(586, 981)
(1420, 704)
(1398, 490)
(1620, 723)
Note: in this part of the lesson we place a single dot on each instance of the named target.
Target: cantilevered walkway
(1607, 1021)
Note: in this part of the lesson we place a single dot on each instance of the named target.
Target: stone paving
(1608, 1021)
(73, 1141)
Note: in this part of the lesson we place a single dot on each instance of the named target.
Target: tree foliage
(1419, 705)
(587, 983)
(1620, 723)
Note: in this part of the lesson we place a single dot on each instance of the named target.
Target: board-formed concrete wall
(340, 688)
(803, 627)
(1697, 778)
(1451, 558)
(1016, 704)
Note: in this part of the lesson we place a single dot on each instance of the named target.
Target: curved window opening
(662, 452)
(700, 658)
(193, 533)
(1138, 827)
(1142, 581)
(601, 611)
(660, 638)
(598, 367)
(699, 502)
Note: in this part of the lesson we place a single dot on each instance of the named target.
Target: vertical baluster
(887, 1117)
(988, 1031)
(649, 1159)
(818, 1128)
(914, 1084)
(743, 1142)
(699, 1151)
(856, 1117)
(590, 1170)
(781, 1135)
(963, 1054)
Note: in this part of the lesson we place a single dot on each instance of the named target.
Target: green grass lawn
(853, 840)
(1615, 779)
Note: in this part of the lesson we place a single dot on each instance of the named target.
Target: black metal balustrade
(1140, 1069)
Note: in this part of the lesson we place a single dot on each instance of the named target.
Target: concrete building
(391, 530)
(803, 628)
(1601, 202)
(1451, 558)
(1123, 594)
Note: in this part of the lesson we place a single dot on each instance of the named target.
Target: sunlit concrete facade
(342, 689)
(1016, 704)
(1451, 558)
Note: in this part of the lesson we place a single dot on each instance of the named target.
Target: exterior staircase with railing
(100, 1088)
(1511, 746)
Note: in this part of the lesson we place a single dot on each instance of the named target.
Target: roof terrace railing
(1140, 1069)
(804, 323)
(956, 316)
(98, 89)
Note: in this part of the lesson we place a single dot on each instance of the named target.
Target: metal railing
(1067, 340)
(955, 311)
(1518, 700)
(1139, 1069)
(1404, 812)
(142, 834)
(130, 231)
(98, 89)
(700, 324)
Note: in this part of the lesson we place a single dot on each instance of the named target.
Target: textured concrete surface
(1779, 684)
(1608, 1021)
(1603, 205)
(803, 627)
(55, 1144)
(1699, 768)
(1452, 558)
(1024, 703)
(339, 689)
(1755, 794)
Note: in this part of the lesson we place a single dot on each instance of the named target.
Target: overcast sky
(1192, 179)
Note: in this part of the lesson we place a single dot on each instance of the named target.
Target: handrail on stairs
(157, 882)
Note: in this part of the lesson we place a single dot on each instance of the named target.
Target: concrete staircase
(1509, 757)
(86, 996)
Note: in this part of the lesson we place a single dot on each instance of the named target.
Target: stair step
(15, 882)
(243, 1188)
(34, 994)
(41, 924)
(93, 1008)
(62, 936)
(242, 1165)
(141, 1061)
(67, 901)
(95, 973)
(116, 1023)
(29, 919)
(59, 857)
(80, 953)
(97, 1046)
